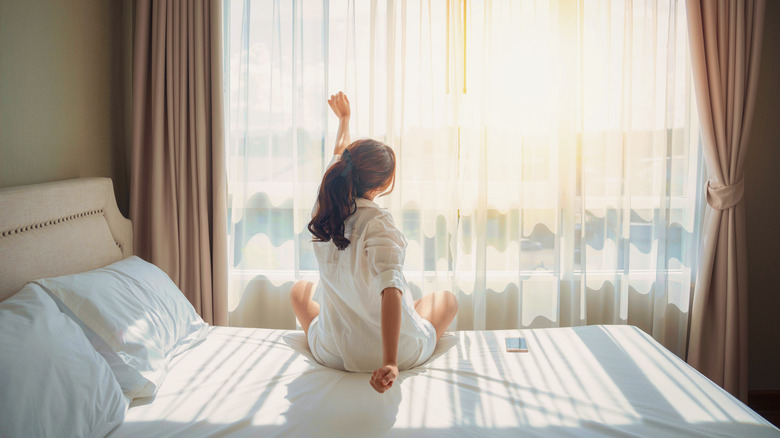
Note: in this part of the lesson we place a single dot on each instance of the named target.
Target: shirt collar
(363, 202)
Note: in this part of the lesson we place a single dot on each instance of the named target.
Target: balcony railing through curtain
(549, 168)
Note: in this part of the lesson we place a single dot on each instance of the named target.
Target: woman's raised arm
(340, 106)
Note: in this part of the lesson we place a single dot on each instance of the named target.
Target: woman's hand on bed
(382, 379)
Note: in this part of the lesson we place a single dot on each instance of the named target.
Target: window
(549, 167)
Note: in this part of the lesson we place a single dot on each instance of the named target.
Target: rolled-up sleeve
(385, 248)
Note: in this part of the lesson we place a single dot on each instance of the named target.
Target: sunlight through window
(547, 150)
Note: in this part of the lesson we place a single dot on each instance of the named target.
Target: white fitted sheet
(584, 381)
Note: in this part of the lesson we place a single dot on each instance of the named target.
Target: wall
(762, 185)
(61, 92)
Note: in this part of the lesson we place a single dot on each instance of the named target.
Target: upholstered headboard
(59, 228)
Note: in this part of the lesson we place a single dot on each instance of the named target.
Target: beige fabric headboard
(59, 228)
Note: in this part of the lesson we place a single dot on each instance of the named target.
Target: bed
(582, 381)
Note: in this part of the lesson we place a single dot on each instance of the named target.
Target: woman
(366, 319)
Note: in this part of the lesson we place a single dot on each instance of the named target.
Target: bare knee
(452, 305)
(451, 302)
(301, 291)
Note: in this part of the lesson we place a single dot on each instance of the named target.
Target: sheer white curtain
(549, 169)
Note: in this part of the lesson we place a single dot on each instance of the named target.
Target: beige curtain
(725, 41)
(178, 183)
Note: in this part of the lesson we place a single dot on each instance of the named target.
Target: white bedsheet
(585, 381)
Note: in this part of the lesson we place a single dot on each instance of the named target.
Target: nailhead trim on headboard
(51, 222)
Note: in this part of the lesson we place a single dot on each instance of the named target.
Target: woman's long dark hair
(365, 165)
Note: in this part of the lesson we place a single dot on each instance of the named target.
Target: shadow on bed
(452, 397)
(244, 428)
(344, 401)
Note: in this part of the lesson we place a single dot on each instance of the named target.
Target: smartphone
(516, 345)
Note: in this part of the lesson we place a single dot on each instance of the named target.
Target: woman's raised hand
(340, 105)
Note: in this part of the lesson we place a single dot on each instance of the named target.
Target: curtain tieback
(725, 197)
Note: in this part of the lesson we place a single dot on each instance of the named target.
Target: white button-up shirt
(347, 334)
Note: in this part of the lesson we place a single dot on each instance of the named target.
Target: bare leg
(305, 309)
(438, 308)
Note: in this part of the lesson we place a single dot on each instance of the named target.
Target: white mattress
(585, 381)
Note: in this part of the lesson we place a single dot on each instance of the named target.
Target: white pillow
(134, 316)
(52, 382)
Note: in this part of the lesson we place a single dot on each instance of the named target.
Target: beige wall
(762, 187)
(61, 92)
